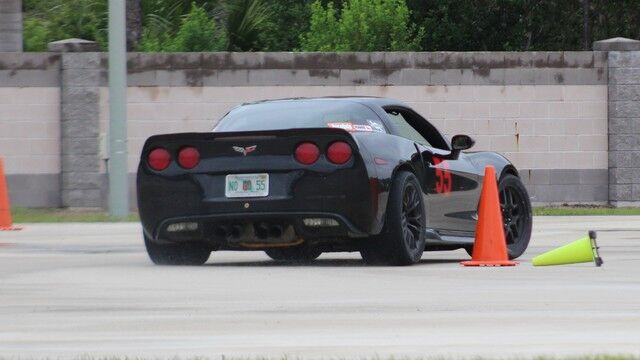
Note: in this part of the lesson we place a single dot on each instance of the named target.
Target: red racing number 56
(443, 176)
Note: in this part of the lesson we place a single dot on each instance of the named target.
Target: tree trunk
(134, 24)
(585, 25)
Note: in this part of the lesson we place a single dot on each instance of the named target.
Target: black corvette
(298, 177)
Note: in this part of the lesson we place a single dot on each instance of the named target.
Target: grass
(584, 210)
(46, 215)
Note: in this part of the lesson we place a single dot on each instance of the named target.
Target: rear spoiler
(245, 135)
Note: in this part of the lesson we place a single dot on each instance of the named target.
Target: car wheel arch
(408, 167)
(403, 167)
(509, 170)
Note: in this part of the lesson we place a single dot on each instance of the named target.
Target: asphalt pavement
(68, 290)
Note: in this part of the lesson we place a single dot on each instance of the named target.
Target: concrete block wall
(558, 116)
(545, 111)
(30, 127)
(83, 182)
(624, 128)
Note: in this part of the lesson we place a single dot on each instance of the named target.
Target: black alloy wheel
(516, 214)
(192, 253)
(517, 217)
(412, 220)
(402, 239)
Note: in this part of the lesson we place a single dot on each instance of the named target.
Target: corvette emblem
(245, 150)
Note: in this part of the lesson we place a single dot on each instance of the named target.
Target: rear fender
(390, 154)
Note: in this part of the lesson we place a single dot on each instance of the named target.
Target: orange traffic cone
(5, 209)
(490, 247)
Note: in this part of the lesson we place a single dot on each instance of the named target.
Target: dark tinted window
(280, 115)
(405, 129)
(412, 126)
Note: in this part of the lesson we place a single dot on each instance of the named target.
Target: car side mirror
(458, 143)
(462, 142)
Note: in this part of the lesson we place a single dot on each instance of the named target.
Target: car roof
(366, 100)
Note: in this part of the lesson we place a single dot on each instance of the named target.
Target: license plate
(246, 185)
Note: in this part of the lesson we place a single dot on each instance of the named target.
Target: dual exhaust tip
(261, 230)
(264, 230)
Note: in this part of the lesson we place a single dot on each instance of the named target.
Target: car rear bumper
(259, 230)
(343, 195)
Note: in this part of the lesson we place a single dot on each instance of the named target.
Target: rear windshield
(280, 115)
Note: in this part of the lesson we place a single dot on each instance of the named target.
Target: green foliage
(363, 25)
(162, 18)
(246, 20)
(196, 33)
(35, 35)
(62, 19)
(154, 42)
(614, 18)
(322, 34)
(497, 25)
(290, 19)
(243, 23)
(342, 25)
(521, 25)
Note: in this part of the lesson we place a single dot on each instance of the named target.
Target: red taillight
(339, 152)
(307, 153)
(188, 157)
(159, 159)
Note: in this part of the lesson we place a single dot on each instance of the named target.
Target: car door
(452, 185)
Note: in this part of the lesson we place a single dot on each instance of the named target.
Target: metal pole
(118, 179)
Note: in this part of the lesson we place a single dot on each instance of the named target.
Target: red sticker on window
(341, 125)
(365, 128)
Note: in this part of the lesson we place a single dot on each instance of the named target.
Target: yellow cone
(579, 251)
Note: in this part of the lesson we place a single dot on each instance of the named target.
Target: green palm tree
(245, 20)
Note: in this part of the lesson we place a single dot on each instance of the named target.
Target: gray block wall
(407, 69)
(29, 123)
(624, 128)
(80, 72)
(365, 69)
(10, 25)
(82, 184)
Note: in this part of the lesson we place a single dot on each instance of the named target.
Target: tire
(402, 239)
(177, 254)
(516, 215)
(297, 254)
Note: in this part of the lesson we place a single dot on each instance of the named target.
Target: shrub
(363, 25)
(35, 35)
(196, 33)
(288, 19)
(47, 21)
(246, 20)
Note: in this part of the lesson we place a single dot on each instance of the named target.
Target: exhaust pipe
(222, 232)
(275, 231)
(236, 231)
(261, 230)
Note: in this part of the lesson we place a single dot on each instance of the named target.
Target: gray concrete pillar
(624, 119)
(10, 25)
(82, 182)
